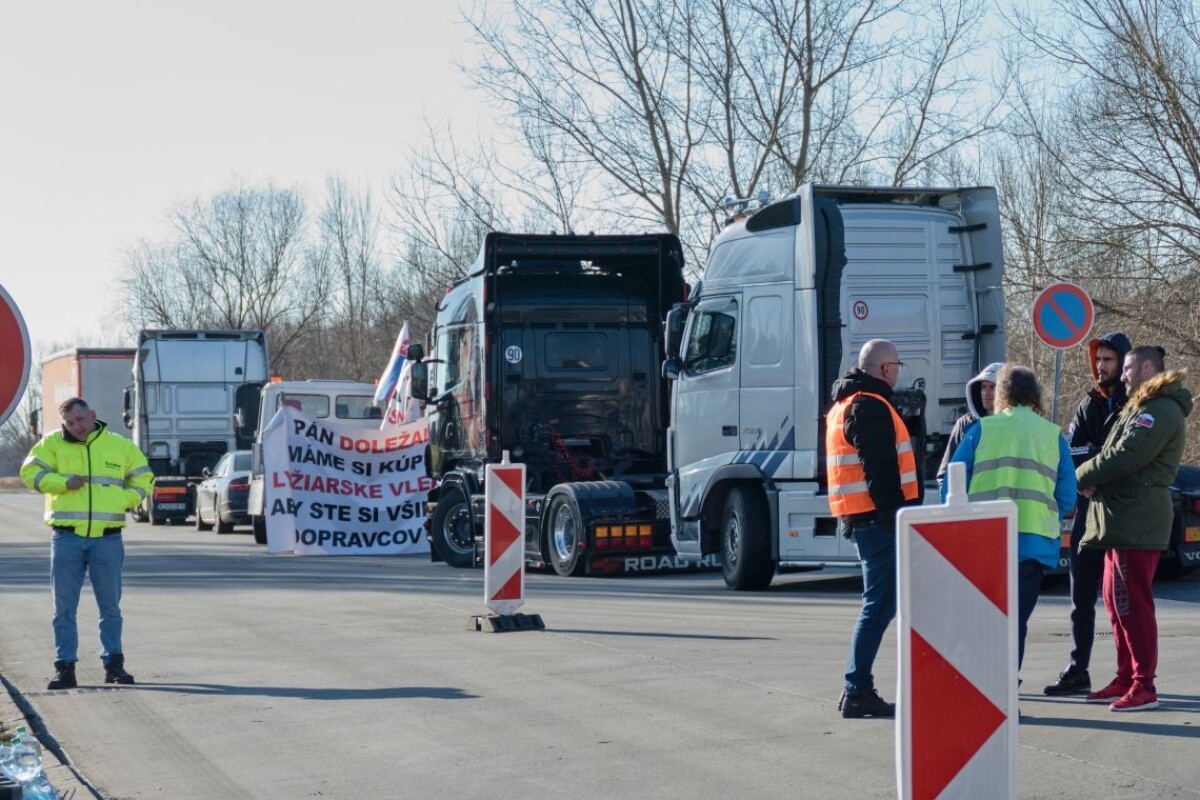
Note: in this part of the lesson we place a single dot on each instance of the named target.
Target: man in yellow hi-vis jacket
(89, 476)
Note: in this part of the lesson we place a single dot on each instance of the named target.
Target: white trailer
(789, 295)
(97, 374)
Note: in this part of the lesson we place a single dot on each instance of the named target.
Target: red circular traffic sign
(14, 356)
(1062, 315)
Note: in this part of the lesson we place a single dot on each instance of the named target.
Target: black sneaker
(865, 704)
(1071, 680)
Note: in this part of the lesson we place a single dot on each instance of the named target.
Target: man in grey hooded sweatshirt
(981, 399)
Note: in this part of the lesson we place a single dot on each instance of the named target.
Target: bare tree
(349, 342)
(1127, 142)
(237, 260)
(599, 80)
(678, 103)
(17, 434)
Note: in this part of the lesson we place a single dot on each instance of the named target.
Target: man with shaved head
(872, 473)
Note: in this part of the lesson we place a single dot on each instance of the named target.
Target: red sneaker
(1139, 698)
(1114, 691)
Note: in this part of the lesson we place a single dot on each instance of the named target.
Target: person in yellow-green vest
(89, 476)
(1018, 455)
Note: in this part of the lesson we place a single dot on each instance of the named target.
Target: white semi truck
(788, 297)
(194, 398)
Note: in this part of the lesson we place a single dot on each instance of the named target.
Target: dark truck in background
(550, 349)
(1182, 555)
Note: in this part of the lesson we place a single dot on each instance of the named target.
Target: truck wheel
(450, 532)
(745, 554)
(260, 529)
(222, 525)
(564, 535)
(201, 525)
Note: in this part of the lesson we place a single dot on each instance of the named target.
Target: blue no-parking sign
(1062, 315)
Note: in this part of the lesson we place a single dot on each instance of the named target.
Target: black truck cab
(550, 350)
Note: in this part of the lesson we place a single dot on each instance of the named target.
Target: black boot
(64, 677)
(114, 669)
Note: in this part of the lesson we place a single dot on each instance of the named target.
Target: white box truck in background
(788, 297)
(194, 398)
(97, 374)
(345, 401)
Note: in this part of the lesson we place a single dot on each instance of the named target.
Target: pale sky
(114, 111)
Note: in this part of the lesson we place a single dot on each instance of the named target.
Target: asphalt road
(285, 677)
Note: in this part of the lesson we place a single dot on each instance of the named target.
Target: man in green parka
(1130, 517)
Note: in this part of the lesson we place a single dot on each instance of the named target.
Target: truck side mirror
(416, 352)
(674, 329)
(420, 379)
(670, 368)
(126, 416)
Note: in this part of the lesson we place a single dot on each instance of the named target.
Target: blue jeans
(101, 559)
(877, 551)
(1029, 586)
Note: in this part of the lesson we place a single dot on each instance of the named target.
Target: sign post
(504, 549)
(14, 356)
(1062, 318)
(956, 731)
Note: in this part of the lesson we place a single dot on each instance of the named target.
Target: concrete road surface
(284, 677)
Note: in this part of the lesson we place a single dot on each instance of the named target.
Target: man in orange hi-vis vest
(872, 473)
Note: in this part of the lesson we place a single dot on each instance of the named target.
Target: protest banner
(339, 489)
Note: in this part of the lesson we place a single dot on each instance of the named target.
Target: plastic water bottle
(6, 760)
(26, 758)
(38, 789)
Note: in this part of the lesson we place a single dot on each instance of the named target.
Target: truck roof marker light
(276, 379)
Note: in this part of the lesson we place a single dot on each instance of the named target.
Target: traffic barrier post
(504, 550)
(957, 716)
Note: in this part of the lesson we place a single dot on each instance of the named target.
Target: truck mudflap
(172, 499)
(643, 564)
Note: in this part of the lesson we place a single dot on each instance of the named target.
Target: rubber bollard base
(496, 623)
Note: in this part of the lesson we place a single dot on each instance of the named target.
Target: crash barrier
(504, 549)
(956, 732)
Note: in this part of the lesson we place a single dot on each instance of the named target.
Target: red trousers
(1129, 599)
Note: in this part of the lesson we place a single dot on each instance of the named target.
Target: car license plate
(171, 506)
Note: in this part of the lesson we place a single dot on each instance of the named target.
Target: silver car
(221, 496)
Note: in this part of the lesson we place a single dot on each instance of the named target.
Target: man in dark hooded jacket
(1093, 420)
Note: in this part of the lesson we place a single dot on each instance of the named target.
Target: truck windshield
(355, 406)
(575, 351)
(313, 405)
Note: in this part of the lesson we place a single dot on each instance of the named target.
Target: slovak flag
(391, 373)
(401, 409)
